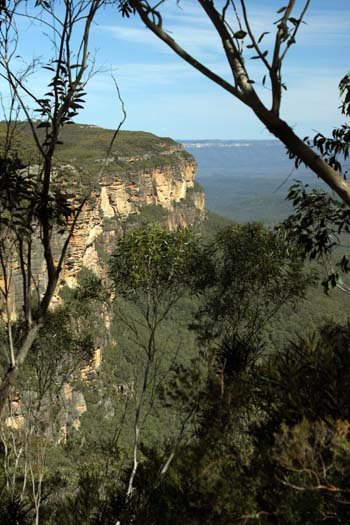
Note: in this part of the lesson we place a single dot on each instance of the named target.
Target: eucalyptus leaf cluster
(319, 228)
(254, 274)
(22, 206)
(151, 259)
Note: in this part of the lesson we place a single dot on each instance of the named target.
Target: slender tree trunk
(11, 372)
(6, 384)
(135, 462)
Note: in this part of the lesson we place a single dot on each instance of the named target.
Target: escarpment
(144, 178)
(158, 186)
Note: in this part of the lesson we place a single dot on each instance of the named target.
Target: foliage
(202, 484)
(149, 214)
(40, 417)
(153, 269)
(335, 149)
(13, 512)
(302, 390)
(68, 340)
(315, 456)
(154, 261)
(16, 193)
(255, 408)
(312, 375)
(319, 227)
(264, 452)
(319, 222)
(253, 276)
(20, 201)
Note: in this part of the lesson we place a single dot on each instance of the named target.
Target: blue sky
(162, 94)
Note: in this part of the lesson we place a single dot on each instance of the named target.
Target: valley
(247, 180)
(157, 296)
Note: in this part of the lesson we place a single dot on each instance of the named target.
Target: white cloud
(132, 34)
(189, 25)
(324, 28)
(200, 41)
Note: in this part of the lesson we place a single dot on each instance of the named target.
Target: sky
(164, 95)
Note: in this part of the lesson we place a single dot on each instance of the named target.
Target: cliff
(145, 177)
(128, 187)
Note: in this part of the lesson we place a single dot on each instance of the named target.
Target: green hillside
(86, 145)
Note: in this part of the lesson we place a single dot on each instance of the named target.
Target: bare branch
(16, 82)
(121, 122)
(291, 39)
(252, 37)
(158, 31)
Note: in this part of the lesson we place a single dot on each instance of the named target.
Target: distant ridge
(221, 143)
(247, 180)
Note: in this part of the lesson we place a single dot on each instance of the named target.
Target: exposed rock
(162, 179)
(125, 193)
(14, 422)
(144, 171)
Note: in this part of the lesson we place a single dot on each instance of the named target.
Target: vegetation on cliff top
(85, 147)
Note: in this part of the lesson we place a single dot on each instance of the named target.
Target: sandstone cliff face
(119, 202)
(168, 191)
(123, 191)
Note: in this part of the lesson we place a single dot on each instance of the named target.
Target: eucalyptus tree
(32, 207)
(153, 269)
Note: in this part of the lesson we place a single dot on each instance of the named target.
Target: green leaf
(263, 55)
(262, 36)
(294, 21)
(73, 105)
(282, 9)
(240, 34)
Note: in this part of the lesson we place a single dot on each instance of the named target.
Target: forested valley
(161, 364)
(221, 393)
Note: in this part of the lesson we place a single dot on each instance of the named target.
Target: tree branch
(252, 37)
(160, 33)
